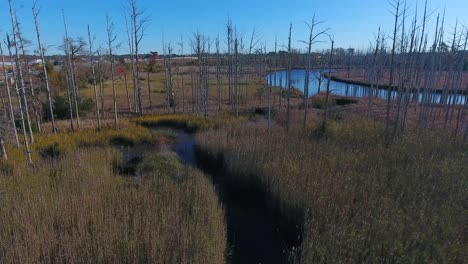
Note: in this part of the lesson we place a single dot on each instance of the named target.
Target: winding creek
(280, 79)
(256, 232)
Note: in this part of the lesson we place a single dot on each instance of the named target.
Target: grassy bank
(75, 208)
(361, 202)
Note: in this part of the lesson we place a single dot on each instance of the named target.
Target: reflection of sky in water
(280, 78)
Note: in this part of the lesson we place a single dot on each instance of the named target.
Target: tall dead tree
(26, 64)
(101, 84)
(130, 43)
(327, 98)
(180, 73)
(10, 103)
(70, 51)
(313, 38)
(289, 76)
(218, 74)
(93, 72)
(20, 79)
(236, 72)
(20, 105)
(170, 87)
(396, 5)
(139, 23)
(50, 99)
(230, 61)
(111, 46)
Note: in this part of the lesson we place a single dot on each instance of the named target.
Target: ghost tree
(22, 42)
(111, 37)
(139, 24)
(313, 38)
(22, 87)
(327, 98)
(93, 71)
(71, 50)
(44, 68)
(396, 4)
(218, 74)
(20, 104)
(289, 77)
(10, 103)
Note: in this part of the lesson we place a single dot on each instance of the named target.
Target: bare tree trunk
(236, 74)
(230, 64)
(149, 92)
(10, 103)
(20, 104)
(101, 87)
(128, 94)
(93, 71)
(130, 42)
(31, 85)
(24, 109)
(71, 72)
(44, 68)
(110, 41)
(312, 39)
(218, 74)
(327, 98)
(139, 26)
(389, 96)
(289, 77)
(69, 98)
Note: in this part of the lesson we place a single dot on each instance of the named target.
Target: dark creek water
(254, 233)
(280, 79)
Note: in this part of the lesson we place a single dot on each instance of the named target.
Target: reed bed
(75, 208)
(359, 201)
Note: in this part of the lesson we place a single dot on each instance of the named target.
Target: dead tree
(218, 74)
(50, 99)
(170, 96)
(20, 79)
(180, 74)
(396, 5)
(33, 99)
(101, 84)
(93, 71)
(130, 43)
(139, 23)
(313, 38)
(230, 62)
(236, 72)
(289, 76)
(327, 98)
(70, 51)
(20, 105)
(10, 103)
(111, 45)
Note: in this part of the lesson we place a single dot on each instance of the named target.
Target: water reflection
(280, 78)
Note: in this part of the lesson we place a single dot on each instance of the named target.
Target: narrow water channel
(253, 233)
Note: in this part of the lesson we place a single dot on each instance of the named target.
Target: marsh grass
(188, 123)
(74, 208)
(360, 201)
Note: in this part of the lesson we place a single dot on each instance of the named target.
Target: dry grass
(362, 202)
(76, 209)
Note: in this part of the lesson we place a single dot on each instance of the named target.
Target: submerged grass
(360, 201)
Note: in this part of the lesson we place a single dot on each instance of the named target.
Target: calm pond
(280, 78)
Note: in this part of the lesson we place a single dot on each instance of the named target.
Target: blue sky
(352, 22)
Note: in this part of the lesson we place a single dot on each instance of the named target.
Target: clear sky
(352, 22)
